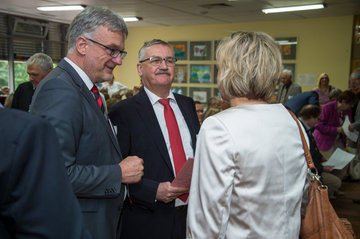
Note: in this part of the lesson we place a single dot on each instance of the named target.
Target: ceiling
(184, 12)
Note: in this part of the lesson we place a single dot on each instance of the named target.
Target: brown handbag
(320, 220)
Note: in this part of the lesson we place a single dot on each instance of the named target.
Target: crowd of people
(98, 160)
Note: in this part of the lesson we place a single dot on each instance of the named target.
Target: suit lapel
(148, 117)
(85, 92)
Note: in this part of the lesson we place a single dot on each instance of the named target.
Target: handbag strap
(308, 157)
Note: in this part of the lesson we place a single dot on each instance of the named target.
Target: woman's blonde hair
(321, 76)
(249, 65)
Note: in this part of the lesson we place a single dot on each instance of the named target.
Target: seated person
(309, 115)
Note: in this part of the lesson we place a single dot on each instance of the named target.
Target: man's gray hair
(88, 21)
(288, 73)
(42, 60)
(148, 44)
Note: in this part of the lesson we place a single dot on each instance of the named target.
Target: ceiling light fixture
(293, 9)
(61, 8)
(132, 19)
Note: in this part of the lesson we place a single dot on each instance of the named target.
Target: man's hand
(132, 168)
(167, 193)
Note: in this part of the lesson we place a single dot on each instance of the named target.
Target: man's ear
(81, 45)
(139, 69)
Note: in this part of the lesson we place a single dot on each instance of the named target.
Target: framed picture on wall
(200, 50)
(216, 92)
(216, 43)
(291, 67)
(215, 74)
(200, 74)
(180, 74)
(180, 49)
(287, 47)
(181, 90)
(200, 94)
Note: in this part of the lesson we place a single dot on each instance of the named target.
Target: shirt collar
(154, 98)
(89, 84)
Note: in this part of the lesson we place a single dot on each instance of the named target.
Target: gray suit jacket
(89, 147)
(293, 90)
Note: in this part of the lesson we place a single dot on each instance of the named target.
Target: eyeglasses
(113, 51)
(157, 61)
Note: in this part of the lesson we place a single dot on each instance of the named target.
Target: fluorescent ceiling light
(132, 19)
(293, 9)
(61, 8)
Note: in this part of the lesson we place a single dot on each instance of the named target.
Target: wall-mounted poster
(200, 50)
(200, 74)
(180, 74)
(216, 43)
(200, 94)
(179, 90)
(287, 47)
(180, 49)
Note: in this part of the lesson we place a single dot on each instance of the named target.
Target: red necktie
(176, 145)
(95, 90)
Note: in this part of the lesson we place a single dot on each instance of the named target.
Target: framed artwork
(200, 74)
(180, 49)
(216, 43)
(180, 74)
(287, 47)
(200, 94)
(179, 90)
(290, 67)
(200, 50)
(216, 92)
(215, 74)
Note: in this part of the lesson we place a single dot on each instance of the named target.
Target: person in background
(38, 66)
(287, 88)
(199, 111)
(36, 199)
(69, 99)
(214, 105)
(324, 88)
(245, 183)
(296, 103)
(161, 127)
(329, 134)
(113, 87)
(309, 115)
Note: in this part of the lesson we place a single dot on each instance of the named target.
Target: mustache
(162, 72)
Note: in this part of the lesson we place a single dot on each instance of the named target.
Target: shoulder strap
(308, 157)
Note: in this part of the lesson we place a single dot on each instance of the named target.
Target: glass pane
(21, 75)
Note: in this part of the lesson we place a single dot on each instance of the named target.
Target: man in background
(38, 66)
(287, 88)
(160, 127)
(36, 199)
(113, 87)
(69, 99)
(199, 111)
(309, 115)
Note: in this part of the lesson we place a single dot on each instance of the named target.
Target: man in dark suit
(38, 66)
(36, 199)
(69, 99)
(154, 209)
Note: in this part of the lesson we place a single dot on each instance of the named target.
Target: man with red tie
(160, 127)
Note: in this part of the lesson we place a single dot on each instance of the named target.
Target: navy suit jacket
(88, 145)
(139, 134)
(36, 199)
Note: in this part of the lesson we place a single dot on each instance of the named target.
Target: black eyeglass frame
(162, 59)
(114, 52)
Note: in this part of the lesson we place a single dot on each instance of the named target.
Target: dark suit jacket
(36, 199)
(139, 134)
(296, 103)
(89, 147)
(22, 96)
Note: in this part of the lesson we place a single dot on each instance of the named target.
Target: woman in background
(249, 171)
(323, 89)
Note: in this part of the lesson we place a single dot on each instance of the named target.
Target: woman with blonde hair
(323, 89)
(249, 172)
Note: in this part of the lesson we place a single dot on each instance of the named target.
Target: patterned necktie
(96, 92)
(176, 145)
